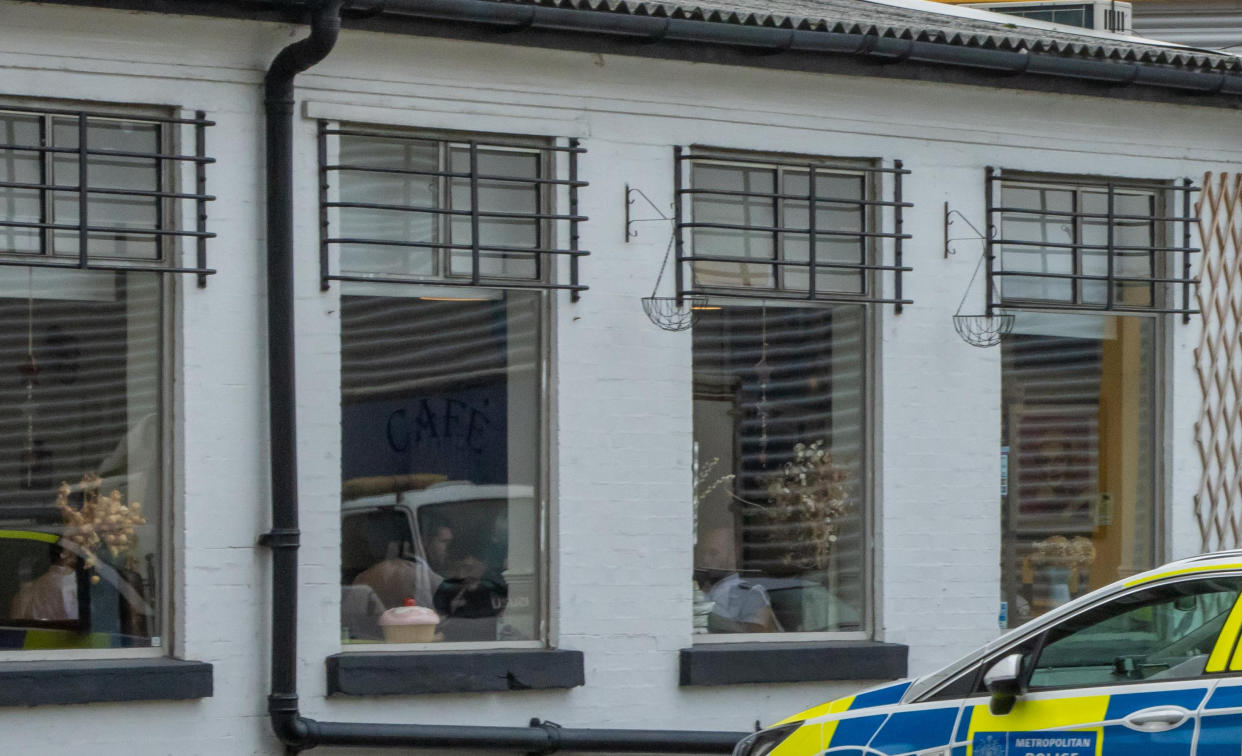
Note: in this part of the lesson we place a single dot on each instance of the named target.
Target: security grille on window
(416, 208)
(771, 229)
(1069, 244)
(94, 190)
(447, 250)
(93, 207)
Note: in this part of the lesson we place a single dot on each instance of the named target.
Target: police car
(1148, 665)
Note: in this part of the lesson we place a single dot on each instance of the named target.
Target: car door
(1220, 718)
(1128, 675)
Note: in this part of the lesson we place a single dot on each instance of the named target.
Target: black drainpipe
(296, 732)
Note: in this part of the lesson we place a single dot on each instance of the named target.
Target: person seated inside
(398, 575)
(740, 606)
(474, 593)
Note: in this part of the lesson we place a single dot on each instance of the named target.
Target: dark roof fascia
(738, 45)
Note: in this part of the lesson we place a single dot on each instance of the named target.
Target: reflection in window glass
(22, 167)
(1061, 242)
(81, 489)
(440, 449)
(1164, 633)
(1078, 444)
(121, 215)
(778, 427)
(744, 210)
(418, 193)
(400, 181)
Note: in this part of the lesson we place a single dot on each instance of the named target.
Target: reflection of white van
(490, 589)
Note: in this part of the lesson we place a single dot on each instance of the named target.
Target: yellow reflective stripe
(1183, 571)
(30, 535)
(1225, 642)
(1058, 713)
(805, 741)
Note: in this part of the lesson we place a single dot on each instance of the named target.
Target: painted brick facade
(621, 428)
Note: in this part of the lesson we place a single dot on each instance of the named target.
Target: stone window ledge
(384, 673)
(810, 661)
(82, 681)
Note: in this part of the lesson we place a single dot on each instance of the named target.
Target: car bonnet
(884, 695)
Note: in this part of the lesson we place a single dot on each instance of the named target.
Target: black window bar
(688, 285)
(1074, 217)
(165, 199)
(541, 254)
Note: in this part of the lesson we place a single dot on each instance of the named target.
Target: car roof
(441, 493)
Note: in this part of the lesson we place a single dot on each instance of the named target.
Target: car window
(1164, 632)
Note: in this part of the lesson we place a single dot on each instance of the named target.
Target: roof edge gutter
(511, 17)
(295, 731)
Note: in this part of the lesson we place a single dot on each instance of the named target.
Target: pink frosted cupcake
(409, 623)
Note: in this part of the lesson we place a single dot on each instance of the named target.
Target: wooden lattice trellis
(1218, 362)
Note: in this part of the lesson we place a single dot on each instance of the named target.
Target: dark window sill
(95, 681)
(810, 661)
(383, 673)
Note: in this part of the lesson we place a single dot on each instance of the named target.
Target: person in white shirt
(740, 606)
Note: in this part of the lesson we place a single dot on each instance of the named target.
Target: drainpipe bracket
(281, 538)
(552, 729)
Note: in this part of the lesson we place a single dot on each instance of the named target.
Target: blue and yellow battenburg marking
(1225, 651)
(883, 696)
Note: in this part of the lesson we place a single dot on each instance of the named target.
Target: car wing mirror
(1004, 682)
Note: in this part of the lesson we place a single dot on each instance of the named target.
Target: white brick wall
(621, 516)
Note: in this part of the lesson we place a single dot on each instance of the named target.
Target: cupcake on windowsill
(409, 623)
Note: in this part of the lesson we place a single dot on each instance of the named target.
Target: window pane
(379, 188)
(517, 197)
(1032, 258)
(114, 211)
(19, 166)
(1079, 420)
(80, 411)
(829, 216)
(440, 454)
(1163, 633)
(778, 427)
(1126, 233)
(758, 212)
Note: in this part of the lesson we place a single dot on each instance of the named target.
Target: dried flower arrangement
(806, 501)
(1059, 551)
(102, 520)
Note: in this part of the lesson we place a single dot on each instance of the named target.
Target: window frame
(869, 482)
(873, 233)
(1167, 195)
(178, 169)
(179, 204)
(171, 463)
(559, 190)
(1161, 480)
(558, 187)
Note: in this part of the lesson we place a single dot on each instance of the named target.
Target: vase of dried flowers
(807, 501)
(103, 521)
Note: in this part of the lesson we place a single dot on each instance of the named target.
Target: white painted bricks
(621, 426)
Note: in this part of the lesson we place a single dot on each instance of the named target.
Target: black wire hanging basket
(986, 329)
(983, 330)
(672, 315)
